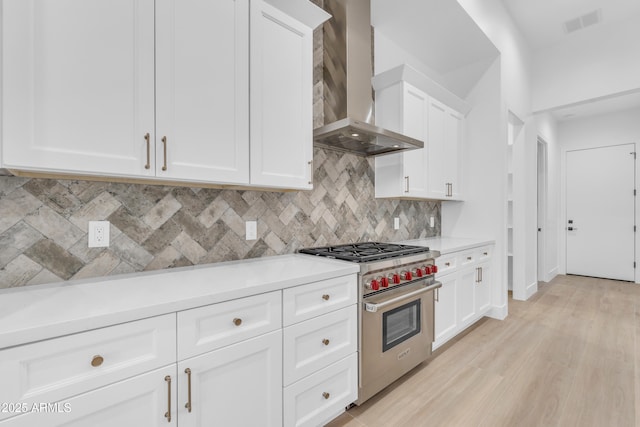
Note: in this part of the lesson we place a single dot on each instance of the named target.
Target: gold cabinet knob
(325, 341)
(326, 297)
(326, 395)
(237, 321)
(97, 361)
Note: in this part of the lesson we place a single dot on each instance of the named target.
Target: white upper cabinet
(408, 102)
(282, 93)
(202, 90)
(78, 85)
(403, 109)
(162, 90)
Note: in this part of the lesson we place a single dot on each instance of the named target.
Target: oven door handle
(374, 307)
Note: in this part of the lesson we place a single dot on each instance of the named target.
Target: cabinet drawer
(55, 369)
(484, 253)
(322, 396)
(467, 258)
(307, 301)
(446, 264)
(207, 328)
(313, 344)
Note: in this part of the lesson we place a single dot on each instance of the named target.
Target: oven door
(397, 332)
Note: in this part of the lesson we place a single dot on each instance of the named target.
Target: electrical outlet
(432, 222)
(99, 234)
(396, 223)
(251, 230)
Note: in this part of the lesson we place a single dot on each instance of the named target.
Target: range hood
(348, 94)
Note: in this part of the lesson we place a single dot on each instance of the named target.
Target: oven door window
(400, 324)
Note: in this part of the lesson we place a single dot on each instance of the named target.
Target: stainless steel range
(396, 294)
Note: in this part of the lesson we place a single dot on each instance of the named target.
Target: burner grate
(366, 251)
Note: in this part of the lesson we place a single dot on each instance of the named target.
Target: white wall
(482, 214)
(592, 63)
(621, 127)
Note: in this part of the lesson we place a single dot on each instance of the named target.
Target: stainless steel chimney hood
(348, 95)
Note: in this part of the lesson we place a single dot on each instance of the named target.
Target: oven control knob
(418, 272)
(396, 278)
(384, 282)
(374, 285)
(434, 268)
(408, 275)
(428, 270)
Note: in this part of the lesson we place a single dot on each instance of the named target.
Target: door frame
(563, 204)
(542, 171)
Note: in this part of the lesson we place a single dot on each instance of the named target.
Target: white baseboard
(531, 289)
(551, 274)
(498, 312)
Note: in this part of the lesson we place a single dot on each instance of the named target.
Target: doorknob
(539, 229)
(570, 221)
(572, 229)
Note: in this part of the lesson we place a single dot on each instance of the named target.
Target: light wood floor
(567, 357)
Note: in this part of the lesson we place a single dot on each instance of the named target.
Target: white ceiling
(541, 21)
(441, 35)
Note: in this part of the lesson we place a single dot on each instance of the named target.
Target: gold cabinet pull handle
(480, 268)
(447, 264)
(326, 297)
(188, 404)
(326, 395)
(486, 253)
(437, 294)
(406, 184)
(310, 163)
(167, 414)
(147, 138)
(164, 147)
(325, 341)
(469, 258)
(237, 321)
(97, 361)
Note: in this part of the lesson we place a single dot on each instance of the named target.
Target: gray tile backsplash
(43, 223)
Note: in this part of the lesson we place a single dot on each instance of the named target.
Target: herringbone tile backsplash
(43, 223)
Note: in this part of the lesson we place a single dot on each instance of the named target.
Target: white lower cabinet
(445, 308)
(145, 400)
(237, 385)
(465, 295)
(322, 396)
(220, 364)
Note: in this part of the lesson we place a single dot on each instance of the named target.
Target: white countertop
(35, 313)
(446, 245)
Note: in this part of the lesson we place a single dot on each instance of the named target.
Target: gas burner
(365, 252)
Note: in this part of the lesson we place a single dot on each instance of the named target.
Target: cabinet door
(436, 143)
(452, 151)
(78, 85)
(483, 288)
(238, 385)
(144, 400)
(445, 309)
(416, 172)
(466, 296)
(281, 99)
(203, 90)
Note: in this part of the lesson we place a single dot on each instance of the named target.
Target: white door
(445, 315)
(237, 385)
(452, 152)
(203, 90)
(77, 85)
(600, 212)
(437, 153)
